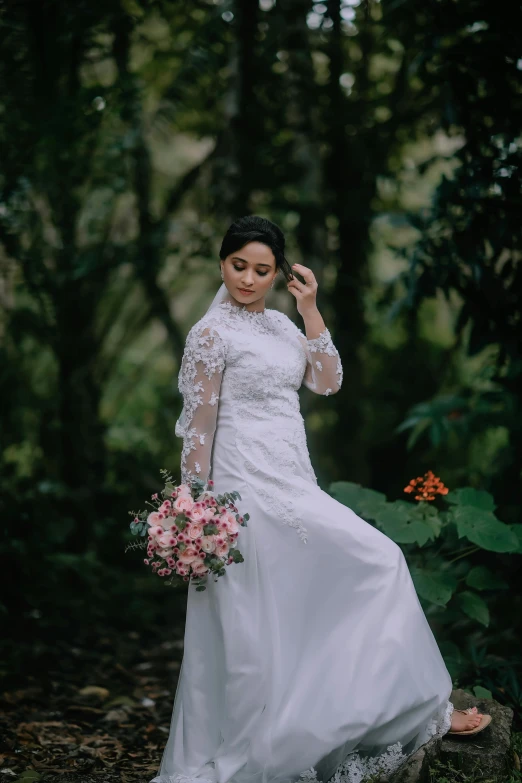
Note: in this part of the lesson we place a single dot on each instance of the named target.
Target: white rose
(208, 544)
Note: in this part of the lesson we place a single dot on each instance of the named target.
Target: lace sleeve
(324, 371)
(199, 382)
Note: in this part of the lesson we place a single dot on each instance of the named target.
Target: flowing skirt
(308, 660)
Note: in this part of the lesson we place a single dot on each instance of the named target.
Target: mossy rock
(486, 756)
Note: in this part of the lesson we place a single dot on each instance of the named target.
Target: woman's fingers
(305, 272)
(297, 285)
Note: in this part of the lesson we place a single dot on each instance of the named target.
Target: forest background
(385, 138)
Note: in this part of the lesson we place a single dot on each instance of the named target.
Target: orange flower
(427, 487)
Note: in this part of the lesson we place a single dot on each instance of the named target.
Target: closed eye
(240, 269)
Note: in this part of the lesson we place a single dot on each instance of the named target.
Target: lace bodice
(257, 360)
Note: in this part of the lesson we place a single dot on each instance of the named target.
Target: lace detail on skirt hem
(355, 768)
(180, 779)
(358, 769)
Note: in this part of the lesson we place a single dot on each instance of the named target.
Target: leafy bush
(467, 524)
(456, 549)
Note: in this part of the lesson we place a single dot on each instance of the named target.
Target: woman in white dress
(313, 658)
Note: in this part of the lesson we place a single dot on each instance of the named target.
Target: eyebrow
(237, 258)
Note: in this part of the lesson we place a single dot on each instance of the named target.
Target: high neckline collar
(242, 309)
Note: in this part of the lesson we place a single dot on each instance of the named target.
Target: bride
(312, 659)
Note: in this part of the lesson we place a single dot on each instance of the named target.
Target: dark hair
(253, 228)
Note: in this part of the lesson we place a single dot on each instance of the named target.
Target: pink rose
(221, 549)
(167, 539)
(198, 513)
(183, 503)
(188, 555)
(232, 525)
(200, 569)
(195, 530)
(208, 514)
(184, 490)
(154, 518)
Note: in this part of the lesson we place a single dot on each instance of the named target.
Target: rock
(117, 716)
(84, 713)
(485, 756)
(94, 693)
(121, 701)
(488, 754)
(416, 769)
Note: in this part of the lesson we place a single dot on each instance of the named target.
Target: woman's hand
(305, 293)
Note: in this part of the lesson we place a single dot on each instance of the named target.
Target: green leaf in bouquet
(484, 529)
(200, 588)
(434, 586)
(236, 555)
(246, 517)
(474, 606)
(210, 529)
(481, 578)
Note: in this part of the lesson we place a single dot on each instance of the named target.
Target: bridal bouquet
(191, 531)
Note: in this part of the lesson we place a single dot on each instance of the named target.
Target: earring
(222, 275)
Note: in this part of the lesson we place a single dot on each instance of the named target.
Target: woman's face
(248, 273)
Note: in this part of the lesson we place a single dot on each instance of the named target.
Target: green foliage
(481, 578)
(453, 547)
(447, 574)
(466, 250)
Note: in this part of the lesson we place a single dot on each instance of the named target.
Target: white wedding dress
(313, 658)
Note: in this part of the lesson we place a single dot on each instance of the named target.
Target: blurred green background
(385, 138)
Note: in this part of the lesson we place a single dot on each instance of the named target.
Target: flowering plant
(427, 487)
(191, 531)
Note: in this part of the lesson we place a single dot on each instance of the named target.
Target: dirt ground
(96, 712)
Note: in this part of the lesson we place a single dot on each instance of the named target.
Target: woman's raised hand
(305, 293)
